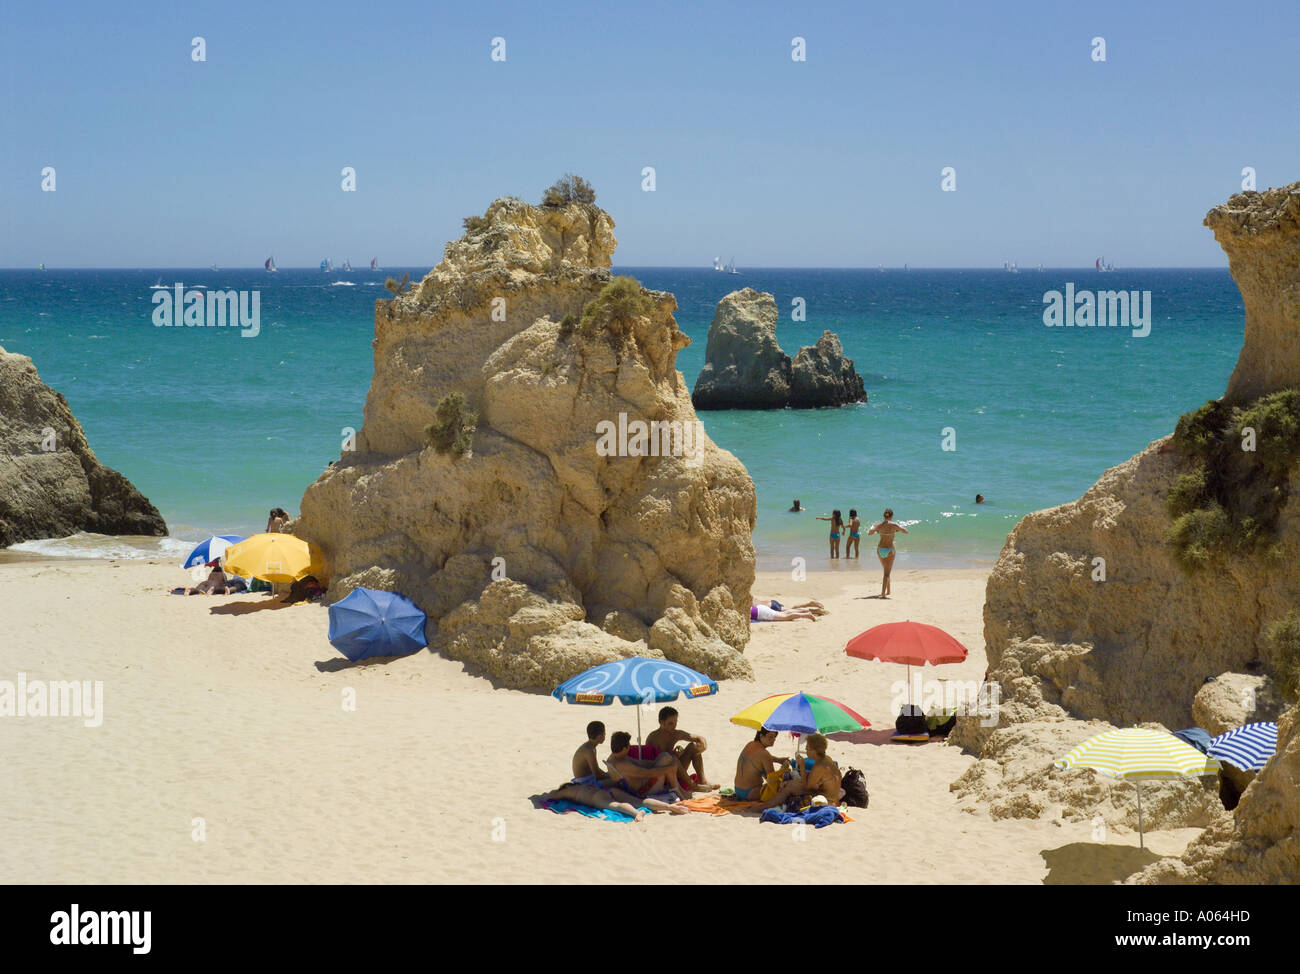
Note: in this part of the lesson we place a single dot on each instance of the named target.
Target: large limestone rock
(745, 368)
(51, 483)
(566, 536)
(1088, 617)
(1260, 841)
(1261, 234)
(1232, 699)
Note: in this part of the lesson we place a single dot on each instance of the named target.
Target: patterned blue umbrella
(1247, 747)
(635, 680)
(374, 623)
(210, 550)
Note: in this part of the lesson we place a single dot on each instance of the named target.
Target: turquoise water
(216, 429)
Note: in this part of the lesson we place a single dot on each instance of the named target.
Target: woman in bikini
(837, 527)
(755, 764)
(885, 548)
(823, 778)
(853, 547)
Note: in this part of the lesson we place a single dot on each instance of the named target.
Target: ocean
(969, 392)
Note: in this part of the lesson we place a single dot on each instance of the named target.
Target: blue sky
(164, 162)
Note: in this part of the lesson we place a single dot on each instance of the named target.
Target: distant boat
(374, 263)
(42, 267)
(1103, 267)
(270, 265)
(214, 267)
(904, 267)
(347, 265)
(1040, 268)
(717, 264)
(731, 268)
(325, 265)
(1011, 267)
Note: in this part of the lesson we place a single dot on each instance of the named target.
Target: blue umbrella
(1196, 737)
(211, 550)
(373, 623)
(635, 680)
(1247, 747)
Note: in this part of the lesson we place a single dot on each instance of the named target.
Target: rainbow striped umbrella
(1136, 754)
(801, 713)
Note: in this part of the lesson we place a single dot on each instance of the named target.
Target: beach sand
(231, 710)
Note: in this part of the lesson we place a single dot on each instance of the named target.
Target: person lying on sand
(586, 766)
(755, 764)
(614, 798)
(631, 776)
(763, 612)
(666, 739)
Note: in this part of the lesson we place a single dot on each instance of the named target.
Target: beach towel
(643, 752)
(608, 814)
(735, 804)
(816, 817)
(708, 804)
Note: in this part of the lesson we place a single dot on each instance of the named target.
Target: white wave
(124, 547)
(344, 284)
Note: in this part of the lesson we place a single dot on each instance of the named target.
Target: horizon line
(664, 267)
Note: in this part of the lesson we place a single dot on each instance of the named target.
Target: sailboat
(731, 268)
(374, 263)
(1103, 267)
(42, 267)
(347, 266)
(717, 263)
(270, 265)
(325, 265)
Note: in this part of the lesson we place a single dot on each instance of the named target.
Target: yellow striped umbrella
(1135, 754)
(273, 558)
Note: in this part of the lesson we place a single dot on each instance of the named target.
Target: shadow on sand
(243, 608)
(1094, 863)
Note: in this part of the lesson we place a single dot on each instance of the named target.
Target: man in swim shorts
(586, 766)
(689, 756)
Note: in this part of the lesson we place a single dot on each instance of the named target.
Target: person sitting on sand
(795, 508)
(627, 774)
(689, 755)
(885, 548)
(763, 612)
(837, 528)
(755, 764)
(586, 766)
(823, 778)
(614, 798)
(214, 584)
(853, 546)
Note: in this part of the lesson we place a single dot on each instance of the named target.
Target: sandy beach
(226, 754)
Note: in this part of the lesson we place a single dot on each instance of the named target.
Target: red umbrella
(912, 643)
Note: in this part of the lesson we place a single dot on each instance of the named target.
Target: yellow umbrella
(274, 558)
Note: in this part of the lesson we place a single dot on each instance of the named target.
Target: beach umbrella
(1196, 737)
(375, 623)
(1137, 755)
(210, 550)
(274, 558)
(910, 643)
(800, 713)
(1247, 747)
(634, 681)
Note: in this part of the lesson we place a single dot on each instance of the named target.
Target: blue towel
(816, 817)
(608, 814)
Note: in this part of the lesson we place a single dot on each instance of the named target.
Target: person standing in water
(885, 547)
(853, 546)
(837, 528)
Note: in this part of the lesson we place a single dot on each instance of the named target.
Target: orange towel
(709, 804)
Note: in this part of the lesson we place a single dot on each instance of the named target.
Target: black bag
(854, 784)
(911, 721)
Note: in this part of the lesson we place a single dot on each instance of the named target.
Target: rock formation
(744, 366)
(51, 483)
(591, 517)
(1090, 615)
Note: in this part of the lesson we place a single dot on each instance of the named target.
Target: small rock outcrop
(1097, 610)
(530, 470)
(1260, 232)
(744, 366)
(51, 483)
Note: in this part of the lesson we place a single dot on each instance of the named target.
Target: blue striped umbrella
(211, 549)
(635, 680)
(1247, 747)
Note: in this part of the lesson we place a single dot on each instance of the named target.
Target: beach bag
(854, 784)
(911, 721)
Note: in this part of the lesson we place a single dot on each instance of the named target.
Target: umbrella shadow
(335, 665)
(244, 608)
(867, 735)
(1094, 863)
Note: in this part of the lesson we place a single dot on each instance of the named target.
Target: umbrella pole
(638, 727)
(909, 688)
(1141, 841)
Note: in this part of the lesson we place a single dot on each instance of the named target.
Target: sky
(834, 161)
